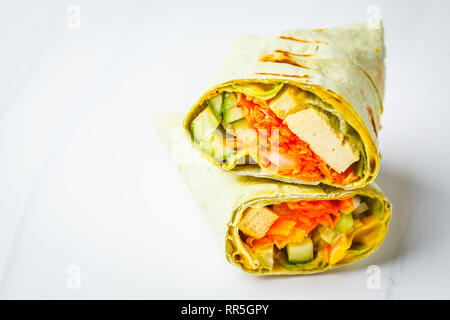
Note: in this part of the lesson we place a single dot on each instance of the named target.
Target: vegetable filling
(285, 130)
(295, 157)
(311, 233)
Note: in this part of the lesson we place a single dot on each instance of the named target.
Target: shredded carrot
(258, 243)
(312, 213)
(281, 227)
(296, 235)
(298, 219)
(296, 157)
(347, 206)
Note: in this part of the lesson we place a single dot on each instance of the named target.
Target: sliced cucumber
(231, 112)
(216, 104)
(300, 252)
(211, 140)
(215, 147)
(204, 125)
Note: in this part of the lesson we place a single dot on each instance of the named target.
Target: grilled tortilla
(270, 227)
(301, 106)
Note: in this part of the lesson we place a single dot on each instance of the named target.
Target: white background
(85, 182)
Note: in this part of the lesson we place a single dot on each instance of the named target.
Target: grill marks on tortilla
(286, 57)
(303, 55)
(305, 76)
(281, 57)
(301, 40)
(372, 119)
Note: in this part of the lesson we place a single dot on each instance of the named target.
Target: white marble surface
(85, 182)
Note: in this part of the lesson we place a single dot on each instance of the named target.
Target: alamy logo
(374, 280)
(73, 281)
(73, 19)
(374, 19)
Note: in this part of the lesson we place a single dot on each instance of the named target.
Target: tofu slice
(314, 128)
(288, 101)
(257, 221)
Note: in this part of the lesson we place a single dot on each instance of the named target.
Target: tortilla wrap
(225, 197)
(341, 67)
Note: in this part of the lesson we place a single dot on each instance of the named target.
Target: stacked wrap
(224, 197)
(343, 67)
